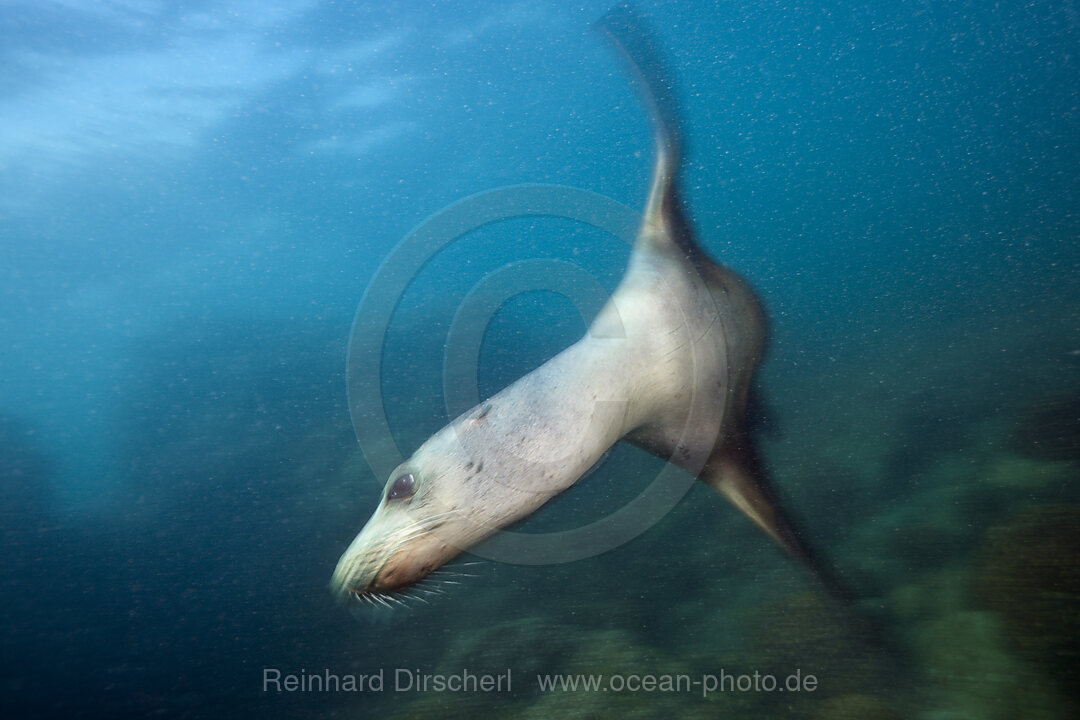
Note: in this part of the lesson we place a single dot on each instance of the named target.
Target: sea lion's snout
(395, 550)
(364, 571)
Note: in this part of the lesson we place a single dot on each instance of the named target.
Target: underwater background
(194, 196)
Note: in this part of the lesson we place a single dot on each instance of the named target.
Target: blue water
(195, 195)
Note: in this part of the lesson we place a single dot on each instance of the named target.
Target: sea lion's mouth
(401, 594)
(387, 587)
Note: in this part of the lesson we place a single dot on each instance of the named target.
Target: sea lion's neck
(538, 436)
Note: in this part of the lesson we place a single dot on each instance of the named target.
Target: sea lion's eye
(404, 486)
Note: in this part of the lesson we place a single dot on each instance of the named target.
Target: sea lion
(666, 365)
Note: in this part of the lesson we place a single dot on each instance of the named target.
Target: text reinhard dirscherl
(402, 680)
(411, 680)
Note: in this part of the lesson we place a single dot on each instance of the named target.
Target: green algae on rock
(1029, 574)
(1050, 430)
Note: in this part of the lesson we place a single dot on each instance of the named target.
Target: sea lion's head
(436, 504)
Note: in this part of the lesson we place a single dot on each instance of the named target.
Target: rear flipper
(736, 474)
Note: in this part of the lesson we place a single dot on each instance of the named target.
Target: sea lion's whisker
(428, 524)
(429, 586)
(410, 535)
(446, 572)
(438, 581)
(446, 513)
(432, 519)
(411, 596)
